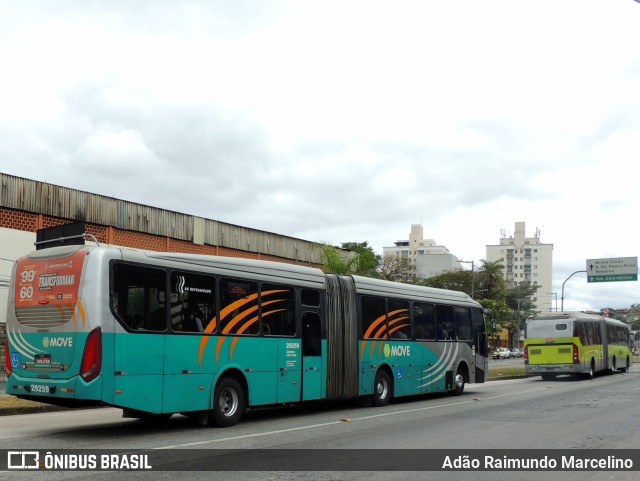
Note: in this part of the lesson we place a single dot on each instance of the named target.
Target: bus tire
(626, 366)
(381, 389)
(592, 370)
(228, 403)
(458, 383)
(614, 365)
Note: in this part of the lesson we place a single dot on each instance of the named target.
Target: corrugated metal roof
(53, 200)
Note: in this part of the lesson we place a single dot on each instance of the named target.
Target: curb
(47, 408)
(44, 408)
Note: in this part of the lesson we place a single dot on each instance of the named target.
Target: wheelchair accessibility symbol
(15, 359)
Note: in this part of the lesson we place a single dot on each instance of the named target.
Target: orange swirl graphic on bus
(79, 309)
(235, 321)
(72, 311)
(383, 331)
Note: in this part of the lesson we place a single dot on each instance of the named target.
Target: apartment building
(527, 259)
(430, 258)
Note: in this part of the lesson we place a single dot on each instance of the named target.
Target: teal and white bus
(161, 333)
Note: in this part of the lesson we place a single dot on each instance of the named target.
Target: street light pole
(519, 318)
(472, 276)
(565, 281)
(555, 295)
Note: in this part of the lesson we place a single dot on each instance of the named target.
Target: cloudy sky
(345, 120)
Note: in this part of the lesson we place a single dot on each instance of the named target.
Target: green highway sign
(620, 277)
(614, 269)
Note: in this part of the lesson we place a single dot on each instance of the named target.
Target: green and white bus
(162, 333)
(575, 343)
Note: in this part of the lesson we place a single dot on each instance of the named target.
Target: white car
(501, 353)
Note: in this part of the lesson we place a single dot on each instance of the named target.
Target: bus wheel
(592, 370)
(228, 402)
(381, 389)
(626, 367)
(458, 384)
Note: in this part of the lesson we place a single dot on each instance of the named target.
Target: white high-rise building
(430, 259)
(526, 259)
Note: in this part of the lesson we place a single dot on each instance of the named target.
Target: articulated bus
(208, 337)
(575, 343)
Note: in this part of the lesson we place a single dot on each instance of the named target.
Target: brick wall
(19, 220)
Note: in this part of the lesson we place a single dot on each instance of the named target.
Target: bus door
(190, 351)
(278, 320)
(425, 334)
(480, 347)
(447, 346)
(397, 350)
(289, 379)
(311, 356)
(138, 298)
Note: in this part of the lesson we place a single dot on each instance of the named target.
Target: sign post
(613, 269)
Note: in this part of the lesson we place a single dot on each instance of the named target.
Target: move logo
(57, 342)
(397, 350)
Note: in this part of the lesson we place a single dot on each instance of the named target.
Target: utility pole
(565, 281)
(472, 276)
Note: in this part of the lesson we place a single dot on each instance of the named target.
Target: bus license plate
(39, 388)
(42, 360)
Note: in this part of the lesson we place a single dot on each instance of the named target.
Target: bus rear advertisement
(160, 333)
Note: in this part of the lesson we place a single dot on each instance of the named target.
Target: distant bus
(208, 337)
(575, 343)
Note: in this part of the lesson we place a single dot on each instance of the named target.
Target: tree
(519, 299)
(456, 280)
(351, 258)
(491, 279)
(367, 261)
(397, 269)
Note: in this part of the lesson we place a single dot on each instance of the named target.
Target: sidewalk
(10, 405)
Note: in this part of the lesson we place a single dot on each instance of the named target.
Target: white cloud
(341, 120)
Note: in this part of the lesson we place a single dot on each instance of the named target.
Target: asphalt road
(524, 413)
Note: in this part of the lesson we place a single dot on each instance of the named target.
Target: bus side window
(399, 319)
(311, 334)
(464, 331)
(192, 301)
(310, 297)
(374, 317)
(278, 310)
(239, 302)
(424, 320)
(444, 318)
(138, 297)
(579, 332)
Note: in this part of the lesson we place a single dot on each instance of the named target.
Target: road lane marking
(503, 425)
(331, 423)
(253, 435)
